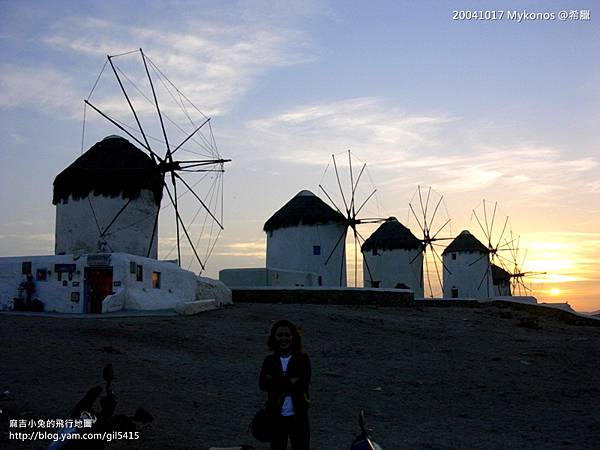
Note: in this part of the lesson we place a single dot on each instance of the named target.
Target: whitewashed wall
(77, 230)
(176, 284)
(244, 277)
(391, 267)
(261, 277)
(466, 273)
(291, 248)
(55, 296)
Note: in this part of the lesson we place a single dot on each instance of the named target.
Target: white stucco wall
(291, 248)
(466, 273)
(52, 292)
(391, 267)
(209, 289)
(257, 277)
(77, 231)
(278, 277)
(244, 277)
(176, 285)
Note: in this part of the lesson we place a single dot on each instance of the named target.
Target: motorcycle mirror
(361, 421)
(108, 373)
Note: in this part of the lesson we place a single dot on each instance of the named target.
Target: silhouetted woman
(285, 376)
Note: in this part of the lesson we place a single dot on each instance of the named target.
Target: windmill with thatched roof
(107, 200)
(393, 257)
(303, 236)
(466, 259)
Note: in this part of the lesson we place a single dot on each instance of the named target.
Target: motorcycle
(104, 421)
(362, 440)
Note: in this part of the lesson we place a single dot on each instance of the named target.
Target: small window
(320, 280)
(26, 268)
(375, 284)
(453, 255)
(316, 250)
(139, 272)
(156, 280)
(132, 267)
(454, 292)
(41, 275)
(375, 252)
(59, 276)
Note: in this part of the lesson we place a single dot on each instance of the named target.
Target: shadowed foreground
(433, 378)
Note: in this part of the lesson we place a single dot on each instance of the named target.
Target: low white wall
(209, 289)
(243, 277)
(176, 285)
(280, 277)
(260, 277)
(54, 293)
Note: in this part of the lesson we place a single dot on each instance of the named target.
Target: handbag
(262, 426)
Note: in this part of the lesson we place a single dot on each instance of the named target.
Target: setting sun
(555, 291)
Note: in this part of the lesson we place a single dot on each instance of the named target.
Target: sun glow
(554, 291)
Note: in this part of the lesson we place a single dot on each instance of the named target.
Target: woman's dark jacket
(279, 386)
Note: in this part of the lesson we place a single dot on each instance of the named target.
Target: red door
(99, 285)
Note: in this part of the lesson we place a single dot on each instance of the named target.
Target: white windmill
(169, 147)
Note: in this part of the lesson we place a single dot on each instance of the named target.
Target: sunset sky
(499, 110)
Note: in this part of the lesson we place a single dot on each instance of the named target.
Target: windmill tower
(502, 281)
(393, 257)
(107, 200)
(117, 186)
(304, 236)
(466, 259)
(348, 192)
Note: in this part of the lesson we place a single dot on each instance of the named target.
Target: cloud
(44, 88)
(366, 125)
(407, 149)
(251, 249)
(214, 64)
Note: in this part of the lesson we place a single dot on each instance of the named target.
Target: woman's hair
(296, 338)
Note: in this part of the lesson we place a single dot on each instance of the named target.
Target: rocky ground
(492, 377)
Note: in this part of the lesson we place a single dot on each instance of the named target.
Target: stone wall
(348, 296)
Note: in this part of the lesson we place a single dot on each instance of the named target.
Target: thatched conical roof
(465, 242)
(391, 235)
(499, 275)
(305, 208)
(111, 167)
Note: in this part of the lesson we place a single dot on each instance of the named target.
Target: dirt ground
(427, 378)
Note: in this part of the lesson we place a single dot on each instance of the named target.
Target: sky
(502, 110)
